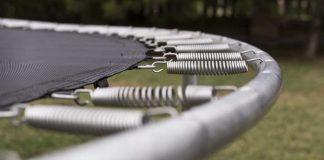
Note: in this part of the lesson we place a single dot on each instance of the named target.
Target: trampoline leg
(187, 80)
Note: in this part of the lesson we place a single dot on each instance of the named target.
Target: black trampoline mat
(36, 63)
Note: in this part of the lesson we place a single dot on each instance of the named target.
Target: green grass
(292, 130)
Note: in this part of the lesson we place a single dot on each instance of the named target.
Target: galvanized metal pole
(187, 80)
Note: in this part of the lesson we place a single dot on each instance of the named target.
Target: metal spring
(117, 30)
(66, 28)
(206, 67)
(93, 29)
(14, 23)
(83, 120)
(177, 36)
(187, 96)
(137, 96)
(156, 32)
(218, 56)
(202, 48)
(36, 25)
(160, 32)
(136, 31)
(190, 41)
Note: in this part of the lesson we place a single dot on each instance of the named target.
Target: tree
(315, 32)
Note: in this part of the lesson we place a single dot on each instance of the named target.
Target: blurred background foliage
(100, 11)
(144, 11)
(128, 11)
(287, 23)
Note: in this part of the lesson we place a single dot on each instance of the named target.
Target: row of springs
(194, 55)
(184, 52)
(191, 46)
(98, 121)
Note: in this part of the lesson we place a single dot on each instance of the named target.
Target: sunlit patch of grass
(293, 128)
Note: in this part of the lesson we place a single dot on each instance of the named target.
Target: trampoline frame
(199, 131)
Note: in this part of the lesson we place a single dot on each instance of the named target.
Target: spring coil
(190, 41)
(174, 37)
(97, 121)
(207, 67)
(219, 56)
(202, 48)
(137, 96)
(159, 32)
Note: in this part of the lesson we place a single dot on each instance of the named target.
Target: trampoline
(46, 59)
(36, 63)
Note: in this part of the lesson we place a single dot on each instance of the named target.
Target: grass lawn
(292, 130)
